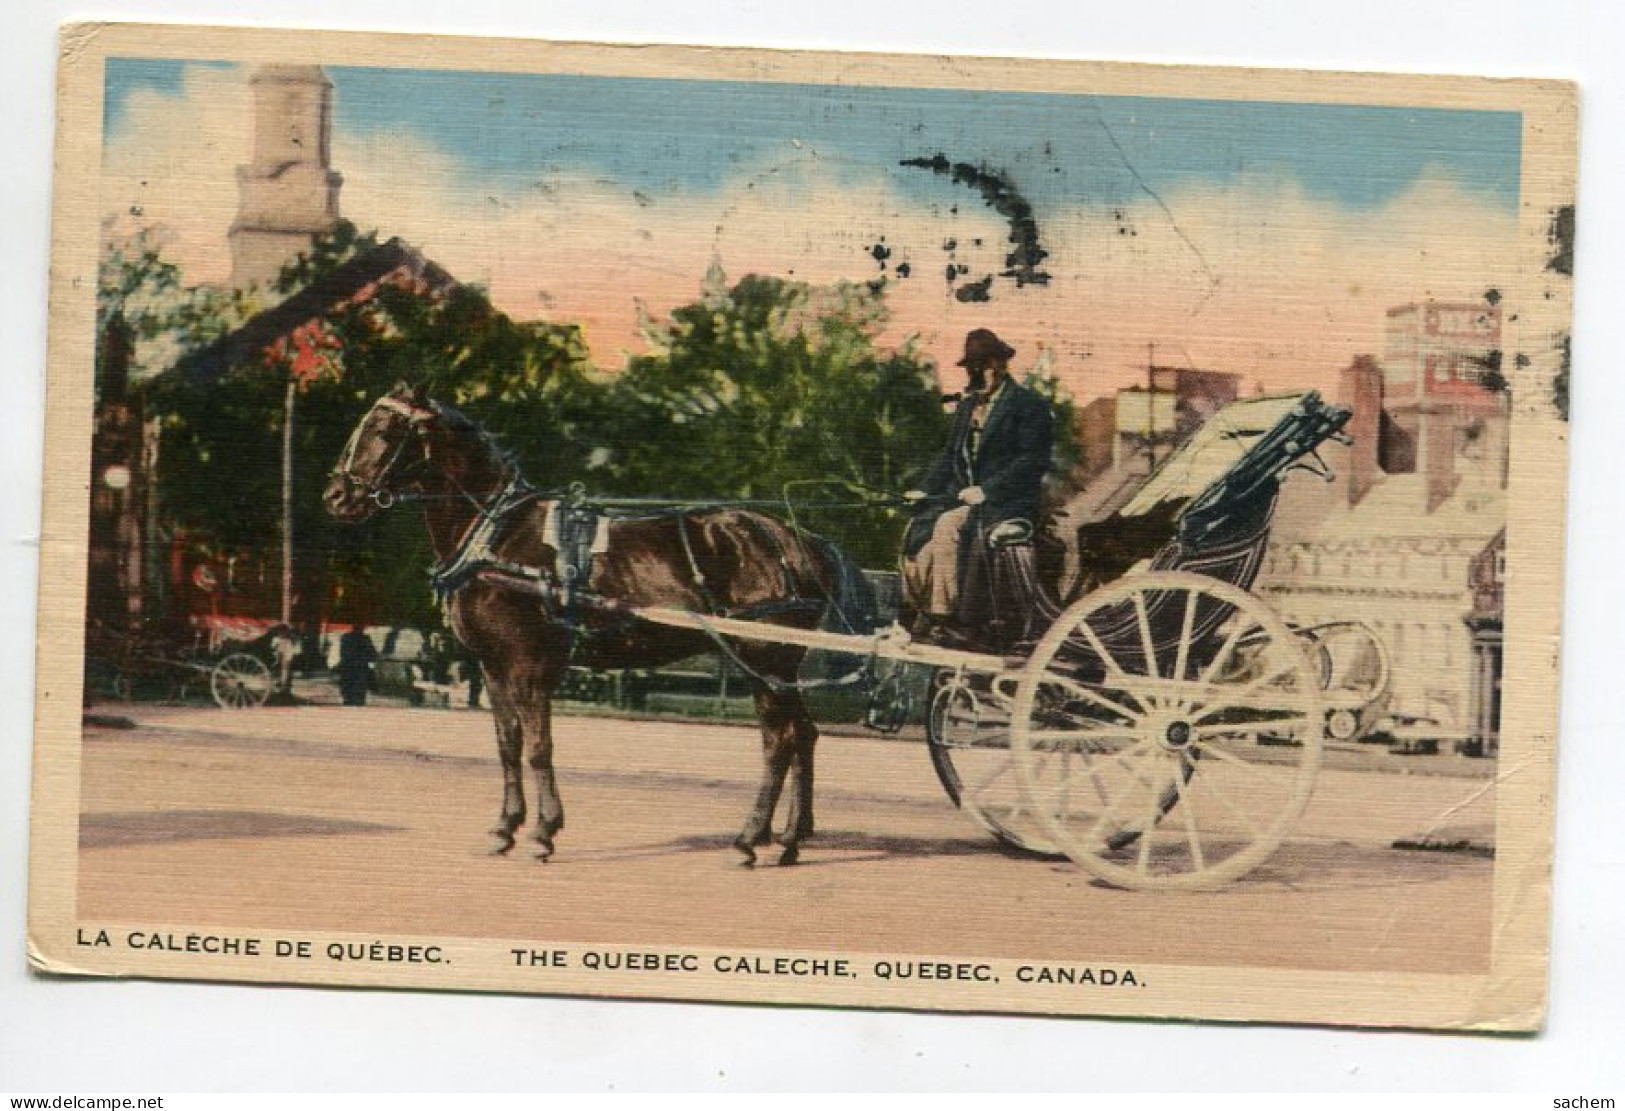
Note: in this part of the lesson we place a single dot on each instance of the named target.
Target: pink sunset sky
(1276, 268)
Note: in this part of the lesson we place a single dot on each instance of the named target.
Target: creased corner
(42, 962)
(76, 39)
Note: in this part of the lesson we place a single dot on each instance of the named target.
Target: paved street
(373, 820)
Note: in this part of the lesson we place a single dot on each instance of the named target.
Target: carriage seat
(1005, 534)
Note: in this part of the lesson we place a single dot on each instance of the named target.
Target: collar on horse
(477, 549)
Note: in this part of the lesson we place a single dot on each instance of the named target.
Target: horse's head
(387, 455)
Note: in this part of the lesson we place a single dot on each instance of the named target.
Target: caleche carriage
(231, 660)
(1163, 730)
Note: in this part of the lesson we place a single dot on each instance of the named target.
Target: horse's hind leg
(798, 825)
(510, 747)
(778, 748)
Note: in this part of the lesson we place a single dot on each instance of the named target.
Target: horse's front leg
(778, 747)
(549, 807)
(510, 748)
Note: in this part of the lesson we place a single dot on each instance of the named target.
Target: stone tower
(289, 191)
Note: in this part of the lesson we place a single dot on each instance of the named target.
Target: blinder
(374, 490)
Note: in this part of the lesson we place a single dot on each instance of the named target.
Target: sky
(1263, 239)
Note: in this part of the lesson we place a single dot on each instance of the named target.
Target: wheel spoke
(1099, 646)
(1187, 814)
(1143, 619)
(1096, 835)
(1224, 755)
(1186, 624)
(1093, 696)
(1223, 800)
(1100, 786)
(988, 804)
(1225, 651)
(1122, 759)
(1108, 811)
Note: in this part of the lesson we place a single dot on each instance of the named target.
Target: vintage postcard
(949, 533)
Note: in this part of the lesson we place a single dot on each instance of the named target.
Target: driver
(990, 472)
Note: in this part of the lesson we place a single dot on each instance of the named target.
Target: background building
(289, 192)
(1418, 498)
(1123, 436)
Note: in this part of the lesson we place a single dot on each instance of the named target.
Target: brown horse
(526, 633)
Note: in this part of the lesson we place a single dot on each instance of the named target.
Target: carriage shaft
(887, 645)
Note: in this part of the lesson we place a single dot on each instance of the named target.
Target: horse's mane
(455, 420)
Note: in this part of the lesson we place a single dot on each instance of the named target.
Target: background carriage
(207, 636)
(232, 661)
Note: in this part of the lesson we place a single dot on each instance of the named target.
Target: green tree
(1061, 482)
(222, 473)
(146, 316)
(771, 387)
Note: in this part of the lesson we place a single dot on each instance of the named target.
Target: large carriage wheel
(967, 731)
(1168, 731)
(240, 681)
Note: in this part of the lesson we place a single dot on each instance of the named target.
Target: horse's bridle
(377, 490)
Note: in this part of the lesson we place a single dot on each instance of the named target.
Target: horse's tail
(853, 607)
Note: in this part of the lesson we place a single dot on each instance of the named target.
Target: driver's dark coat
(1010, 462)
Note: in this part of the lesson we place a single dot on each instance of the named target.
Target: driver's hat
(983, 346)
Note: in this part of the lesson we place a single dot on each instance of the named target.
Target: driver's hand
(914, 495)
(972, 495)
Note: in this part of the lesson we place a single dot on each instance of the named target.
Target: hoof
(501, 842)
(790, 855)
(544, 848)
(746, 852)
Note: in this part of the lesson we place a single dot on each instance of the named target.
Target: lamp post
(285, 644)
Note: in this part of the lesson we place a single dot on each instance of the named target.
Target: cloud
(572, 246)
(1260, 279)
(1254, 277)
(170, 168)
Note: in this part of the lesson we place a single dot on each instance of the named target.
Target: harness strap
(476, 549)
(787, 579)
(693, 564)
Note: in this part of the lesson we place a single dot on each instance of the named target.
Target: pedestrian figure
(472, 672)
(356, 657)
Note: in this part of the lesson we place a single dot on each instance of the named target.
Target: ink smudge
(1027, 252)
(975, 291)
(1561, 237)
(1560, 384)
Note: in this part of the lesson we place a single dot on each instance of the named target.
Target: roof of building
(1393, 509)
(340, 285)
